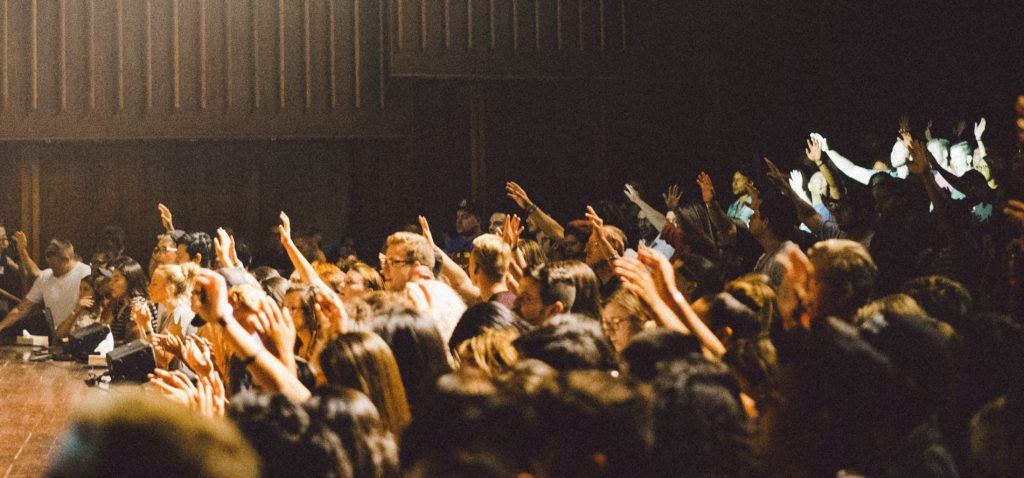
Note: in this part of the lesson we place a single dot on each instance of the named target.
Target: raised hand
(425, 227)
(285, 229)
(662, 272)
(174, 386)
(222, 245)
(918, 161)
(210, 296)
(516, 193)
(20, 241)
(330, 314)
(166, 219)
(927, 130)
(672, 197)
(142, 317)
(755, 196)
(820, 140)
(904, 123)
(198, 355)
(632, 194)
(1014, 211)
(637, 279)
(278, 330)
(813, 151)
(796, 180)
(979, 129)
(511, 230)
(707, 188)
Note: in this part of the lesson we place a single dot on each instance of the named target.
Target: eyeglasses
(614, 323)
(157, 250)
(386, 262)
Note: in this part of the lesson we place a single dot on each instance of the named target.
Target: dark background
(710, 85)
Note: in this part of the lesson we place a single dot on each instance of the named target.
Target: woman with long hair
(128, 289)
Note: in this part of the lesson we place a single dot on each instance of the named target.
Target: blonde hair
(755, 291)
(491, 352)
(417, 248)
(491, 255)
(180, 277)
(637, 312)
(371, 278)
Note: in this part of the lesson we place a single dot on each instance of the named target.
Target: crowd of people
(840, 319)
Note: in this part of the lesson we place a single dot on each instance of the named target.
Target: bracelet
(531, 209)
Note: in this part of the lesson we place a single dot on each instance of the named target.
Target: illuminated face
(571, 246)
(4, 241)
(758, 225)
(396, 268)
(183, 254)
(616, 324)
(293, 302)
(158, 288)
(118, 285)
(466, 222)
(528, 304)
(940, 152)
(352, 286)
(496, 223)
(739, 183)
(899, 154)
(165, 252)
(959, 160)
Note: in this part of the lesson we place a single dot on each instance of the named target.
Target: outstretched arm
(813, 151)
(857, 173)
(546, 223)
(451, 272)
(804, 211)
(307, 273)
(725, 229)
(655, 217)
(28, 266)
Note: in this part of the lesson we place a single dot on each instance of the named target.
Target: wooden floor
(36, 399)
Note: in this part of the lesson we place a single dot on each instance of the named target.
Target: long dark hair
(418, 349)
(133, 274)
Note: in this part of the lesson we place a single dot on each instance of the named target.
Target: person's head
(696, 276)
(891, 304)
(730, 319)
(263, 273)
(651, 348)
(939, 148)
(588, 288)
(596, 253)
(276, 288)
(331, 275)
(491, 351)
(488, 262)
(898, 156)
(544, 291)
(817, 185)
(172, 283)
(596, 425)
(467, 220)
(496, 223)
(941, 297)
(482, 317)
(775, 218)
(739, 183)
(755, 291)
(405, 252)
(700, 425)
(288, 440)
(364, 362)
(196, 247)
(844, 277)
(416, 344)
(165, 251)
(533, 253)
(622, 317)
(360, 277)
(755, 363)
(856, 212)
(573, 244)
(960, 157)
(300, 300)
(127, 279)
(568, 342)
(60, 256)
(146, 436)
(352, 416)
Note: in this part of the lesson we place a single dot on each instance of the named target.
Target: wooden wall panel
(502, 39)
(124, 69)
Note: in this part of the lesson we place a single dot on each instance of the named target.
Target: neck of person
(769, 242)
(489, 288)
(67, 268)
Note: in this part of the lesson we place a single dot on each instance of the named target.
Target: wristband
(249, 361)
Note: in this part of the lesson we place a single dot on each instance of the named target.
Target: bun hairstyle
(180, 277)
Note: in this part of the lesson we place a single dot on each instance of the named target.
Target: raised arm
(546, 223)
(306, 272)
(857, 173)
(166, 219)
(813, 152)
(214, 308)
(655, 217)
(28, 266)
(723, 225)
(804, 211)
(451, 272)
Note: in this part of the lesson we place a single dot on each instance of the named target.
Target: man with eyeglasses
(56, 287)
(408, 257)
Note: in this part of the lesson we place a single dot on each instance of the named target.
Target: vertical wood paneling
(120, 55)
(423, 25)
(6, 61)
(35, 55)
(202, 55)
(357, 52)
(332, 54)
(280, 56)
(63, 26)
(307, 44)
(255, 54)
(229, 58)
(176, 51)
(400, 25)
(447, 24)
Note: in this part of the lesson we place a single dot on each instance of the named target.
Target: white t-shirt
(59, 294)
